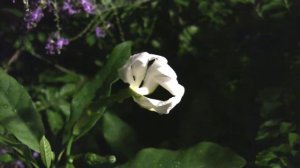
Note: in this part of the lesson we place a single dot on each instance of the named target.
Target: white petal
(171, 84)
(125, 73)
(131, 68)
(158, 72)
(161, 68)
(136, 71)
(159, 106)
(146, 57)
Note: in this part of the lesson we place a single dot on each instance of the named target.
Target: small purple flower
(18, 164)
(35, 155)
(50, 47)
(69, 7)
(99, 32)
(33, 17)
(49, 5)
(88, 6)
(61, 42)
(55, 43)
(3, 151)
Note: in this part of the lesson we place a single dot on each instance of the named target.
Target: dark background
(238, 61)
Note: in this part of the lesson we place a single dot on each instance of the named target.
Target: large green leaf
(17, 113)
(107, 75)
(202, 155)
(119, 135)
(98, 108)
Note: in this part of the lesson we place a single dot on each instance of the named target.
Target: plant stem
(12, 59)
(56, 14)
(69, 146)
(117, 97)
(57, 66)
(115, 12)
(85, 30)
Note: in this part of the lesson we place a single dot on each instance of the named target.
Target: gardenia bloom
(144, 77)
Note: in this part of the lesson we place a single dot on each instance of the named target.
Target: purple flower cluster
(88, 6)
(35, 155)
(55, 43)
(69, 7)
(33, 17)
(14, 164)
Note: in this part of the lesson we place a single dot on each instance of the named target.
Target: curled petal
(125, 73)
(159, 106)
(157, 74)
(173, 87)
(138, 71)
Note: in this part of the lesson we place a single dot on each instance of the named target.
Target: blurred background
(239, 61)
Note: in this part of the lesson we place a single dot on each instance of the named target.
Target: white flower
(144, 77)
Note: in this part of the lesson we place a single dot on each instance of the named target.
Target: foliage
(204, 154)
(62, 105)
(18, 115)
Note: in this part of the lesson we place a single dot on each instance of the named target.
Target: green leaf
(46, 152)
(105, 76)
(119, 135)
(67, 89)
(90, 118)
(237, 2)
(41, 37)
(9, 141)
(186, 37)
(294, 138)
(70, 165)
(17, 113)
(272, 8)
(65, 108)
(6, 158)
(48, 77)
(204, 155)
(106, 2)
(184, 3)
(55, 121)
(90, 40)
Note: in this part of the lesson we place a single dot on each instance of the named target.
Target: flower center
(140, 90)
